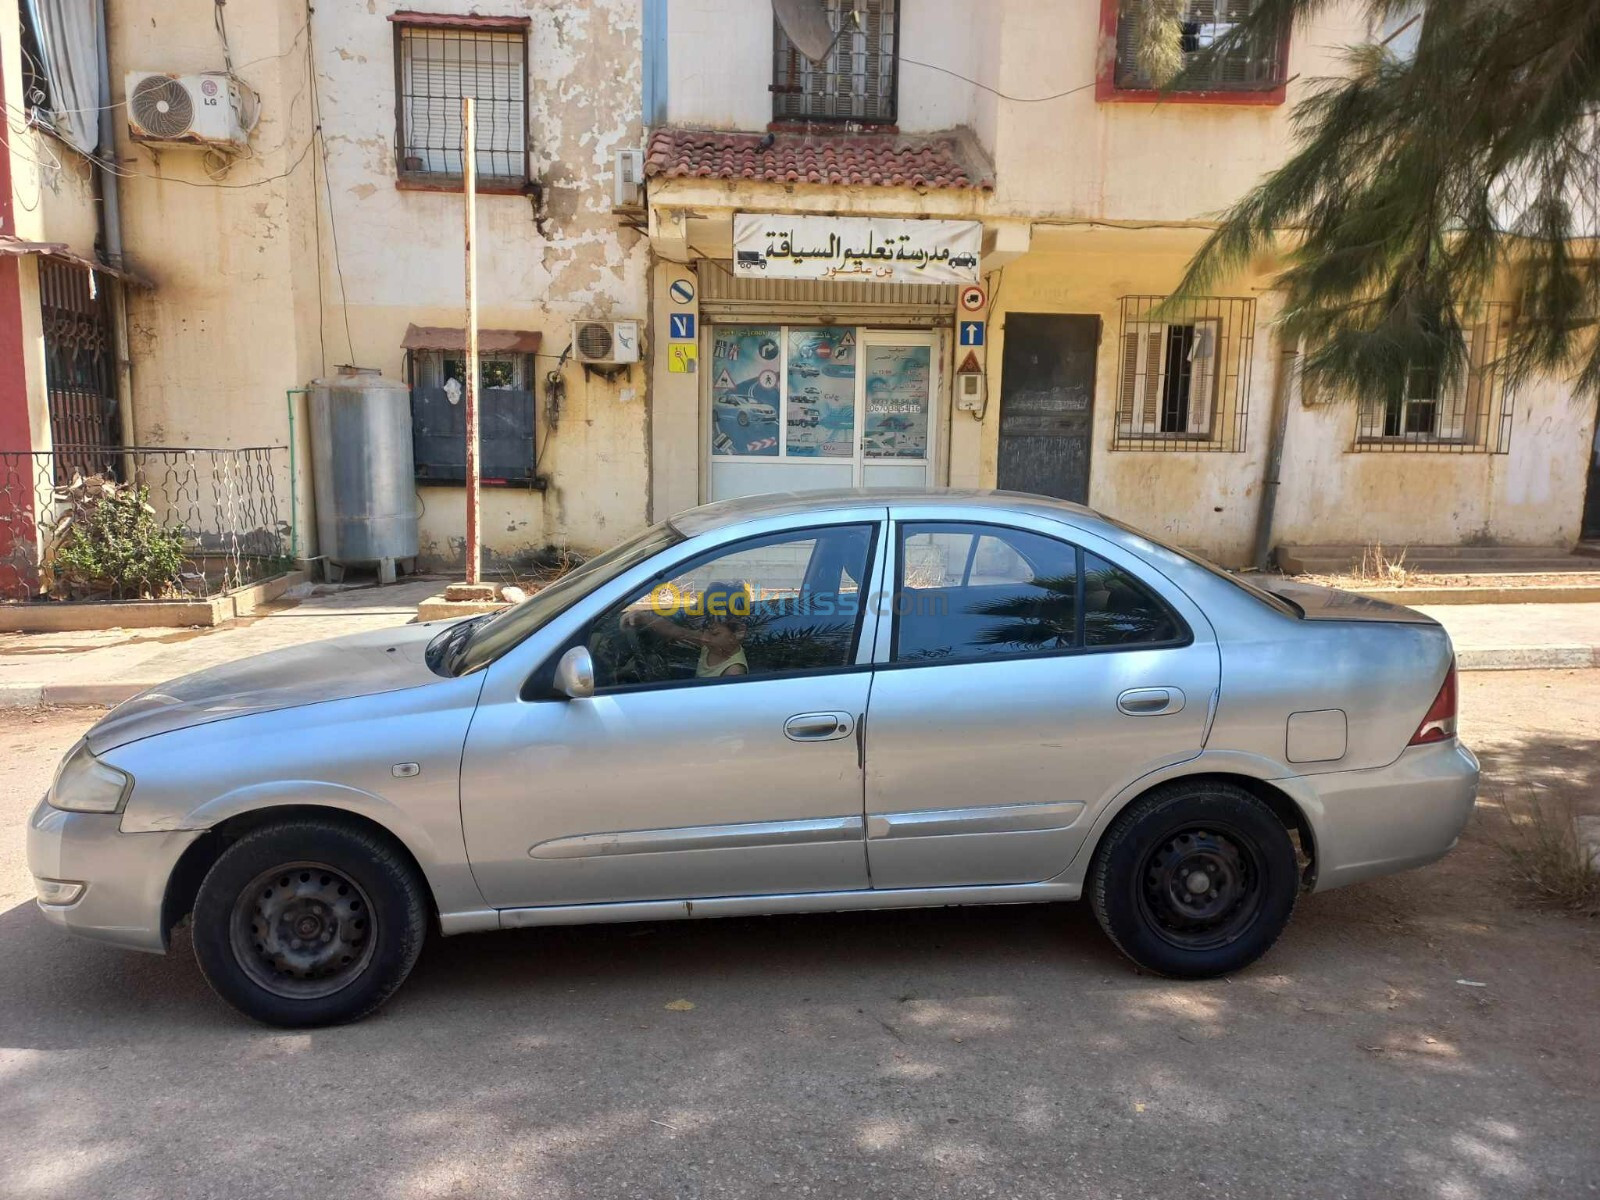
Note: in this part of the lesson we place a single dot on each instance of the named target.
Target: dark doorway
(1047, 404)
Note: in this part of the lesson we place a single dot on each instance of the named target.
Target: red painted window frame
(1106, 90)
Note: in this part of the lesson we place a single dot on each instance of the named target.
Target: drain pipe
(294, 494)
(1288, 353)
(111, 210)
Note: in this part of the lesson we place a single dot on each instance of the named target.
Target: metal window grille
(1469, 415)
(1184, 376)
(1256, 65)
(857, 80)
(80, 363)
(436, 68)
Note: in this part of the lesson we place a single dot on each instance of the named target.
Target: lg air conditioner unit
(211, 110)
(605, 343)
(627, 183)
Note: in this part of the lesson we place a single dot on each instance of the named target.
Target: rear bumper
(124, 874)
(1371, 823)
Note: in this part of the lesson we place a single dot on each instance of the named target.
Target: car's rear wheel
(309, 922)
(1195, 880)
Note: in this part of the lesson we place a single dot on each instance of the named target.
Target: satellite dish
(806, 24)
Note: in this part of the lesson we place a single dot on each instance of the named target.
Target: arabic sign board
(887, 250)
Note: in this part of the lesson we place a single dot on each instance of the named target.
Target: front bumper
(1377, 822)
(125, 874)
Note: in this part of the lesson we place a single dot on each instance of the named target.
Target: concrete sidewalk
(106, 667)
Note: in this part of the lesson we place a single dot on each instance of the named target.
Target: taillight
(1439, 722)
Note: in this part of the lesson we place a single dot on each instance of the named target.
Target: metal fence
(222, 502)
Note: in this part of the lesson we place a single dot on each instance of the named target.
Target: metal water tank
(362, 472)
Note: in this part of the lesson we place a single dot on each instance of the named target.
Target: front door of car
(718, 755)
(1026, 678)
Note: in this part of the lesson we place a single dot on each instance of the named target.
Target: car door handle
(819, 727)
(1150, 702)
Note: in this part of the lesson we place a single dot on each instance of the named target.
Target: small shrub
(110, 545)
(1541, 841)
(1378, 566)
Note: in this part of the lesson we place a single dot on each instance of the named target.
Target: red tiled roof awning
(842, 160)
(445, 337)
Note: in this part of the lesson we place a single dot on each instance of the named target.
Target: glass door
(796, 408)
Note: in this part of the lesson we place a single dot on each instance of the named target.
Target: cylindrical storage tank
(362, 471)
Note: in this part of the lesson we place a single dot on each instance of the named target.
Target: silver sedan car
(794, 703)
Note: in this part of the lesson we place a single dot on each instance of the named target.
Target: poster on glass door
(821, 414)
(745, 361)
(899, 383)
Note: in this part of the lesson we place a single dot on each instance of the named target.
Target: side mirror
(574, 677)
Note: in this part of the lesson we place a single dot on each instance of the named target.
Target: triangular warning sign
(849, 339)
(969, 365)
(724, 380)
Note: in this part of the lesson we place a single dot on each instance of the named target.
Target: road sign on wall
(971, 333)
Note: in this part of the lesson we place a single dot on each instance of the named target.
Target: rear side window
(1118, 610)
(979, 591)
(973, 592)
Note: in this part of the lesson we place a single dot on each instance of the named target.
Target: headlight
(85, 784)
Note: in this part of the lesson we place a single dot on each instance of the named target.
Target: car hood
(360, 664)
(1317, 603)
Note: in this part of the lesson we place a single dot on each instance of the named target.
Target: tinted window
(977, 591)
(786, 602)
(1118, 610)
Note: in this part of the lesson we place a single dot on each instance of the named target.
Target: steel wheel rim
(1201, 887)
(303, 930)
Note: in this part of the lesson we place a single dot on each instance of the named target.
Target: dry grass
(1379, 566)
(1540, 840)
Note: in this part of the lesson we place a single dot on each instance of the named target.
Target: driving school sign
(861, 249)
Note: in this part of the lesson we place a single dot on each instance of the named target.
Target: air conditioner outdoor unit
(209, 110)
(628, 179)
(605, 343)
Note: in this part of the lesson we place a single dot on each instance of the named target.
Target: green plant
(109, 544)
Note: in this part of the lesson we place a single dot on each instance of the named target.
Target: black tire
(353, 897)
(744, 417)
(1146, 880)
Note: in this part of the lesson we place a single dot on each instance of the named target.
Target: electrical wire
(327, 184)
(996, 91)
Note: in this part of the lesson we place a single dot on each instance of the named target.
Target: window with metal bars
(1184, 379)
(1467, 415)
(438, 64)
(855, 82)
(1256, 65)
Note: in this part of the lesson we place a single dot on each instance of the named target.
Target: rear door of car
(1030, 671)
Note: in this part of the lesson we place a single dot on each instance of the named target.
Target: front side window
(854, 80)
(438, 65)
(1255, 65)
(973, 592)
(768, 606)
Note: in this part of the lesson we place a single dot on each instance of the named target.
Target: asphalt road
(988, 1052)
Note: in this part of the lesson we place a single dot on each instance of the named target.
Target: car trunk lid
(1317, 603)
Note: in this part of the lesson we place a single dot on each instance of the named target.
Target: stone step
(1440, 560)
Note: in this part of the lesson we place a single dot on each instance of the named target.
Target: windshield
(1256, 591)
(472, 644)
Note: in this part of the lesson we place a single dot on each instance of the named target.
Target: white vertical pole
(469, 182)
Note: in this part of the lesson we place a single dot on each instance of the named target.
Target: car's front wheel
(309, 922)
(1195, 880)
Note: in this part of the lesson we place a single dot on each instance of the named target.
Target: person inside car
(723, 609)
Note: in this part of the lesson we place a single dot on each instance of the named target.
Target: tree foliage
(1423, 183)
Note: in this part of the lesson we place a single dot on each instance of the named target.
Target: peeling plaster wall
(401, 253)
(253, 299)
(231, 322)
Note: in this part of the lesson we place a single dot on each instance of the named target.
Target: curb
(66, 695)
(105, 695)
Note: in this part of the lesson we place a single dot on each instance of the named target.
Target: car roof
(721, 513)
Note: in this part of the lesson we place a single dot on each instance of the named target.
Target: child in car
(723, 609)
